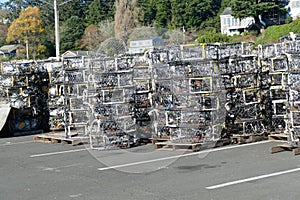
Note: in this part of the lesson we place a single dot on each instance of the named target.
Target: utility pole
(56, 21)
(27, 49)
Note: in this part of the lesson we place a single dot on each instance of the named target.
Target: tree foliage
(71, 34)
(95, 34)
(27, 28)
(255, 8)
(126, 15)
(100, 10)
(211, 35)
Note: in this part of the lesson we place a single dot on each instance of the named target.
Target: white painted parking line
(57, 152)
(14, 143)
(182, 155)
(252, 179)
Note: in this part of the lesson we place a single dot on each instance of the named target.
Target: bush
(210, 35)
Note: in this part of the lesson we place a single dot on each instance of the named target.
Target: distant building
(71, 53)
(232, 26)
(11, 50)
(142, 45)
(294, 8)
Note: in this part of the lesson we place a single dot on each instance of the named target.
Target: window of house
(228, 21)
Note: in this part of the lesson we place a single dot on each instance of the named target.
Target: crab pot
(278, 79)
(201, 85)
(251, 96)
(180, 86)
(294, 81)
(295, 119)
(244, 81)
(279, 94)
(198, 68)
(269, 50)
(280, 108)
(230, 50)
(142, 85)
(125, 79)
(279, 63)
(160, 56)
(279, 125)
(142, 72)
(192, 51)
(141, 100)
(162, 71)
(126, 124)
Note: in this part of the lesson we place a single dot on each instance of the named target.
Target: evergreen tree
(148, 11)
(163, 14)
(178, 11)
(100, 10)
(71, 34)
(255, 9)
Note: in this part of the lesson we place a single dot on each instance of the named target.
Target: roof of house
(227, 11)
(71, 53)
(140, 39)
(9, 48)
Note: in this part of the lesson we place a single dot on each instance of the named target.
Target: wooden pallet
(183, 146)
(60, 139)
(284, 147)
(243, 139)
(278, 137)
(159, 139)
(223, 142)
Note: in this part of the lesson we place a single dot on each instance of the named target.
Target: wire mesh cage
(192, 51)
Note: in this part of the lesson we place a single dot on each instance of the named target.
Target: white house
(231, 25)
(71, 53)
(294, 8)
(142, 45)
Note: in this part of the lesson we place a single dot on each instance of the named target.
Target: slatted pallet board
(278, 137)
(59, 138)
(284, 147)
(243, 139)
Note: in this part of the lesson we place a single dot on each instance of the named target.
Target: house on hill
(294, 8)
(11, 50)
(231, 26)
(71, 53)
(142, 45)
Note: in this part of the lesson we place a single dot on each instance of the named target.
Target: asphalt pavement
(32, 171)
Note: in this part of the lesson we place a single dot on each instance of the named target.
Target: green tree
(211, 35)
(163, 14)
(256, 8)
(192, 13)
(15, 7)
(148, 11)
(71, 34)
(178, 10)
(27, 28)
(100, 10)
(199, 11)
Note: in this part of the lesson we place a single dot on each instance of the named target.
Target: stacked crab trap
(23, 91)
(110, 93)
(187, 96)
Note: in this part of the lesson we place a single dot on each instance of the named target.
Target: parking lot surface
(31, 170)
